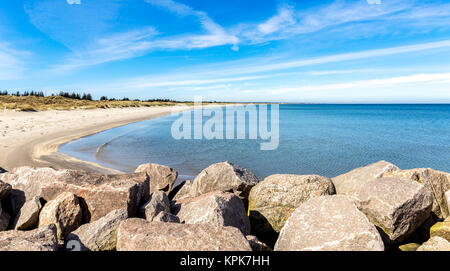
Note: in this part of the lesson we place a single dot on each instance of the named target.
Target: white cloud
(374, 2)
(11, 62)
(285, 17)
(76, 2)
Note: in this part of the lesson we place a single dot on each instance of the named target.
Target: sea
(323, 139)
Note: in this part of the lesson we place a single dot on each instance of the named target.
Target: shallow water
(314, 139)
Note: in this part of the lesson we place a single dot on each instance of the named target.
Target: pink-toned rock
(348, 183)
(329, 223)
(99, 194)
(224, 176)
(136, 234)
(42, 239)
(396, 206)
(437, 182)
(64, 211)
(218, 208)
(161, 177)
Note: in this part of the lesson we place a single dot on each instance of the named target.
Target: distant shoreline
(33, 138)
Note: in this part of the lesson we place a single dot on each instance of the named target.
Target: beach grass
(33, 103)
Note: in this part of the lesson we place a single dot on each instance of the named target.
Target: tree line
(77, 96)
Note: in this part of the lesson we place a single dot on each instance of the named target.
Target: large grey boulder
(348, 183)
(447, 198)
(159, 202)
(4, 219)
(217, 208)
(396, 206)
(99, 194)
(224, 176)
(64, 211)
(161, 177)
(136, 234)
(272, 201)
(42, 239)
(437, 182)
(435, 243)
(5, 190)
(28, 216)
(329, 223)
(181, 191)
(99, 235)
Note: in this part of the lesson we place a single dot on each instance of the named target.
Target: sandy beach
(32, 138)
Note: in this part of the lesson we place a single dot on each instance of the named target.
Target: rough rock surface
(441, 229)
(64, 211)
(224, 176)
(436, 182)
(166, 217)
(161, 177)
(28, 216)
(181, 191)
(5, 190)
(136, 234)
(159, 202)
(257, 245)
(329, 223)
(396, 206)
(447, 198)
(348, 183)
(218, 208)
(42, 239)
(435, 243)
(101, 234)
(99, 194)
(4, 219)
(272, 201)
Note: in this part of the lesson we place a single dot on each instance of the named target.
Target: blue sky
(235, 50)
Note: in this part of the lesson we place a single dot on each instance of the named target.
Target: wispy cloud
(72, 2)
(11, 62)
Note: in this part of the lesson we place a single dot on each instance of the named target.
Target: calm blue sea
(314, 139)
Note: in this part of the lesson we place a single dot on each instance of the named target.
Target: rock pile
(376, 207)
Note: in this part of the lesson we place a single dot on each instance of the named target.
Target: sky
(310, 51)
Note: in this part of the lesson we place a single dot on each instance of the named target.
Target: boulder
(99, 194)
(224, 176)
(42, 239)
(159, 202)
(5, 190)
(217, 208)
(28, 216)
(272, 201)
(4, 219)
(348, 183)
(64, 211)
(136, 234)
(447, 199)
(166, 217)
(99, 235)
(441, 229)
(396, 206)
(436, 182)
(435, 243)
(257, 245)
(181, 191)
(161, 177)
(329, 223)
(409, 247)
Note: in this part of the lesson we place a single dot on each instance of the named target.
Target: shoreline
(41, 150)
